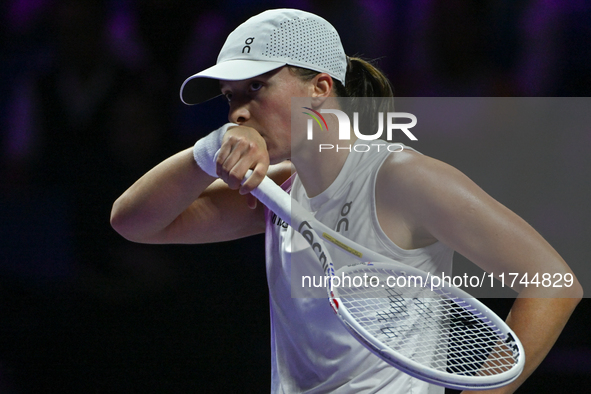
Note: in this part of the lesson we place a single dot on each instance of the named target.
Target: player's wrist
(206, 149)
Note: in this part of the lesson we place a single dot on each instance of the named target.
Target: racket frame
(417, 370)
(316, 233)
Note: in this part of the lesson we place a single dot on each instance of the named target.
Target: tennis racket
(432, 331)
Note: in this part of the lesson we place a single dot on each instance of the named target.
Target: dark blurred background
(89, 102)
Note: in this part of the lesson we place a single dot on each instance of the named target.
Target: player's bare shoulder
(412, 190)
(404, 172)
(413, 177)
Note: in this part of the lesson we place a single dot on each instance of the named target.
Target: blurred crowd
(90, 102)
(90, 88)
(85, 81)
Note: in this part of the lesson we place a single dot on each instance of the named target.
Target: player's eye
(228, 96)
(254, 86)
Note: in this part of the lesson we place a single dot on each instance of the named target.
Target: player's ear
(322, 86)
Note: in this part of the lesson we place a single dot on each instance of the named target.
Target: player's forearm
(156, 199)
(538, 322)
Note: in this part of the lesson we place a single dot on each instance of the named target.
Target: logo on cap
(248, 41)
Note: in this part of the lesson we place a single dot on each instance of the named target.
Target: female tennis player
(401, 204)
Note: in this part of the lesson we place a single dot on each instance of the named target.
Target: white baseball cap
(265, 42)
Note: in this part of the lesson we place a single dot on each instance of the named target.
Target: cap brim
(204, 85)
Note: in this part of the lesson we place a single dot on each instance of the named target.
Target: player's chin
(276, 157)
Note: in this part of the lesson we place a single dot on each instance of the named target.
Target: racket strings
(429, 328)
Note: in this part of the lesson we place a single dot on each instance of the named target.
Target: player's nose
(239, 113)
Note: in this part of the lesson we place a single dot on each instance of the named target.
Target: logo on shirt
(343, 223)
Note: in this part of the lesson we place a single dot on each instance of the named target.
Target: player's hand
(242, 149)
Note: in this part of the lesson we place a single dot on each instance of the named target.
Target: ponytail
(363, 79)
(367, 91)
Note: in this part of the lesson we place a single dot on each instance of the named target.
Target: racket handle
(274, 197)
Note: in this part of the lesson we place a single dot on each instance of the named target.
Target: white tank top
(311, 350)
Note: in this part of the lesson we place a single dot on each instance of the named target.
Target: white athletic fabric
(206, 149)
(311, 350)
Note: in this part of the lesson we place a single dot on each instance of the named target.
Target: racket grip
(273, 197)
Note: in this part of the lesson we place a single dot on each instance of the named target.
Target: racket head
(463, 373)
(441, 335)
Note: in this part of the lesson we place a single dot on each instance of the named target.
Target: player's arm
(441, 202)
(177, 202)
